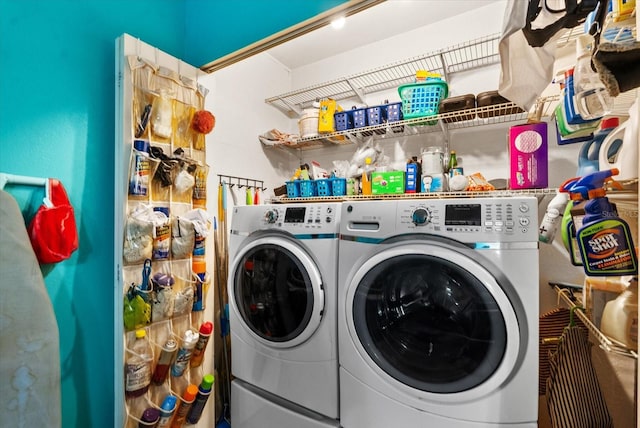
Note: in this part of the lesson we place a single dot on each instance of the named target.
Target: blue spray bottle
(605, 240)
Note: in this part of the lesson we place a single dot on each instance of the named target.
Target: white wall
(237, 101)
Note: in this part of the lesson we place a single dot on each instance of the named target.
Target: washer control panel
(484, 218)
(299, 217)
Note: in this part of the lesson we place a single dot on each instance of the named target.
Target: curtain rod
(345, 10)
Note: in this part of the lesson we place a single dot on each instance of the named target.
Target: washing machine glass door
(277, 291)
(433, 319)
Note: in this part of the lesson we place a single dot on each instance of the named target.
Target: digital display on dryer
(294, 215)
(463, 215)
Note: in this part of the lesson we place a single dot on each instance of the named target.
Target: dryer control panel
(508, 218)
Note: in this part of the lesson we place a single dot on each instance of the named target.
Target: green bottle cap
(207, 382)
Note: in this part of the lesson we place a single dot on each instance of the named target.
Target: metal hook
(572, 322)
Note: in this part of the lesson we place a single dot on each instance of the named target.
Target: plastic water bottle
(138, 366)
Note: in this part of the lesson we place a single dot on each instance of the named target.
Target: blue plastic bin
(323, 187)
(359, 117)
(293, 189)
(339, 186)
(307, 188)
(343, 120)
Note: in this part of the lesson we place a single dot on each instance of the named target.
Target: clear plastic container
(592, 99)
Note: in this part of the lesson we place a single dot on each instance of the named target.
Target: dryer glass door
(429, 323)
(275, 293)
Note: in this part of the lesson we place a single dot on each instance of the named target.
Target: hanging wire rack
(603, 341)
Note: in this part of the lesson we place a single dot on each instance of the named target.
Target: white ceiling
(376, 23)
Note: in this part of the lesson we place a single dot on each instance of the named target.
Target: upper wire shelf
(466, 56)
(479, 116)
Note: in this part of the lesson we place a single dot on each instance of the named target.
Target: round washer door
(276, 290)
(432, 321)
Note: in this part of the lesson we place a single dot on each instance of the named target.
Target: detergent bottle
(620, 317)
(605, 240)
(620, 149)
(590, 151)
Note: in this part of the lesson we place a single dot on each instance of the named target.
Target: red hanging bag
(52, 231)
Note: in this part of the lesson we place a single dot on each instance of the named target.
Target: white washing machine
(438, 313)
(282, 303)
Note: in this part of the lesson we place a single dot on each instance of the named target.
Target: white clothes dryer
(282, 301)
(438, 313)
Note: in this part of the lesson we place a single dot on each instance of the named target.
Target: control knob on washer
(421, 216)
(271, 216)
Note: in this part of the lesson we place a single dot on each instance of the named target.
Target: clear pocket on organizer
(138, 236)
(202, 287)
(162, 305)
(185, 290)
(182, 237)
(161, 235)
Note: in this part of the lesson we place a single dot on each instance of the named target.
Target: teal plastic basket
(422, 99)
(293, 189)
(323, 187)
(338, 186)
(307, 188)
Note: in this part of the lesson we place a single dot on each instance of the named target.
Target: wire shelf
(604, 342)
(431, 195)
(457, 58)
(479, 116)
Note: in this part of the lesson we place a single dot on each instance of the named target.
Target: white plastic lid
(584, 45)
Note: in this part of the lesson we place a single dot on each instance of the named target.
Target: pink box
(528, 154)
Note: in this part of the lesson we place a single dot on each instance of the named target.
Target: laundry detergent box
(528, 155)
(387, 183)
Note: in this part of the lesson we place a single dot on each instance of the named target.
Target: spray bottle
(552, 217)
(572, 220)
(605, 241)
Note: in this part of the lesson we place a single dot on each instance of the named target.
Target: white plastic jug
(625, 158)
(620, 317)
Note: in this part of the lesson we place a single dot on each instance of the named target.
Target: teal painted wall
(57, 120)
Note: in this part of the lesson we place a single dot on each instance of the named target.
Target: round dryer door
(431, 319)
(277, 291)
